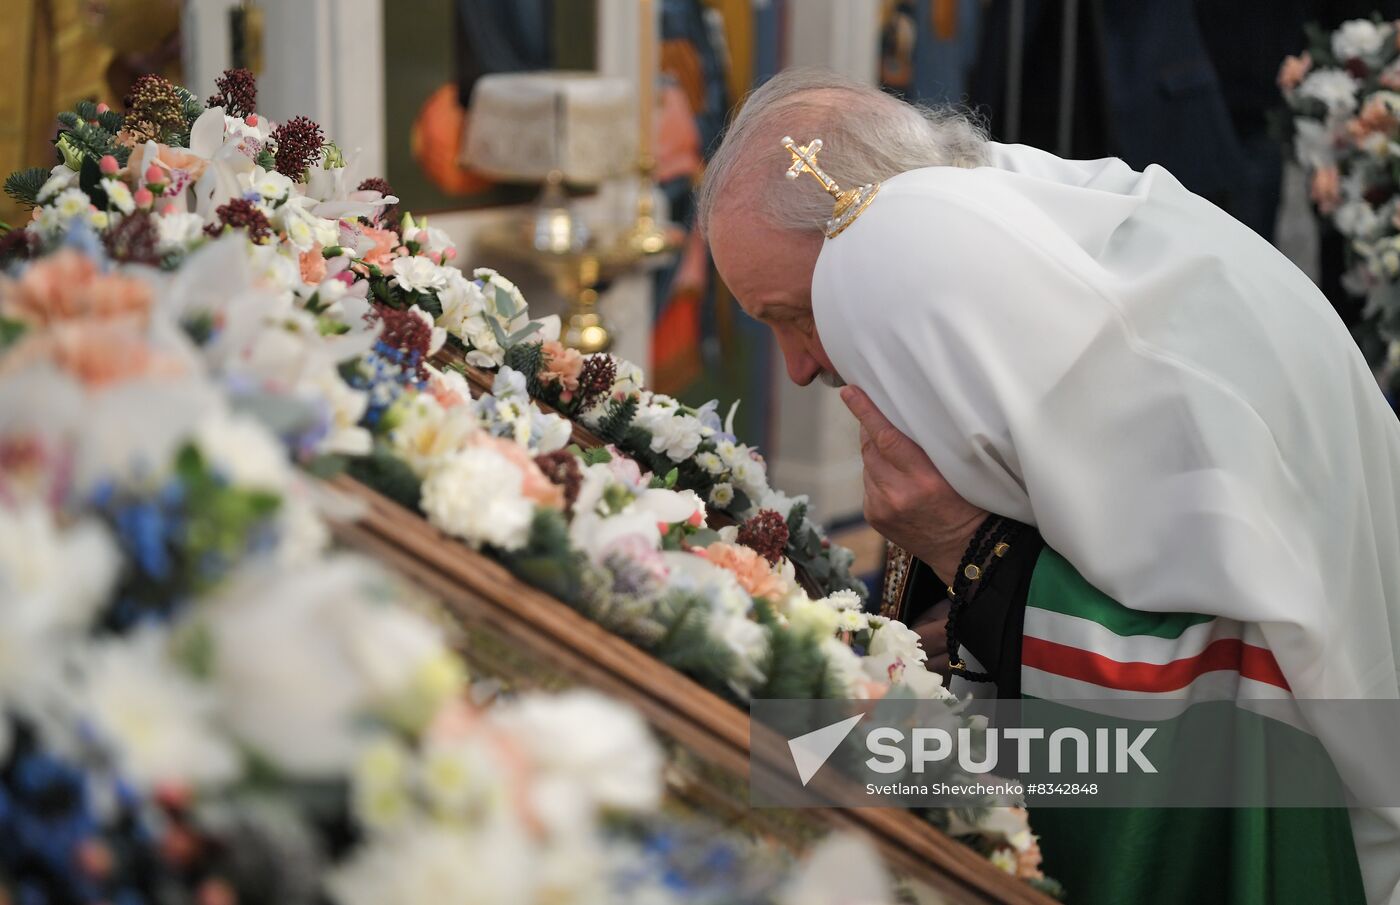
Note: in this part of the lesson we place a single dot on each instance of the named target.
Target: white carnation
(477, 496)
(418, 274)
(1333, 87)
(1359, 39)
(179, 231)
(844, 600)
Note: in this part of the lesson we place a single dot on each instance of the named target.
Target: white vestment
(1104, 355)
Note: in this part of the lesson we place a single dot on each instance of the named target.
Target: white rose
(1333, 87)
(460, 301)
(552, 432)
(477, 496)
(494, 280)
(418, 274)
(678, 436)
(898, 639)
(1358, 39)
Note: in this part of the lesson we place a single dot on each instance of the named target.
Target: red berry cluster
(562, 468)
(766, 534)
(595, 380)
(240, 213)
(408, 333)
(135, 239)
(299, 142)
(237, 94)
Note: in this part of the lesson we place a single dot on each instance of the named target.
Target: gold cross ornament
(849, 202)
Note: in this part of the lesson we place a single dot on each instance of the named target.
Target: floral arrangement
(249, 255)
(199, 702)
(1344, 97)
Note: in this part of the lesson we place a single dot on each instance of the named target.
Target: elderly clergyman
(1123, 438)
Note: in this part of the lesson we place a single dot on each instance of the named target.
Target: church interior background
(403, 85)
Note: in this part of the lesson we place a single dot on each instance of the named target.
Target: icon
(810, 751)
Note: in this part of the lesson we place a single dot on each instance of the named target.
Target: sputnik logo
(812, 750)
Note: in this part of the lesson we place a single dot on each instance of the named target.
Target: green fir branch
(615, 423)
(528, 359)
(24, 185)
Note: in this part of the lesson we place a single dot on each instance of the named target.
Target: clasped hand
(910, 503)
(907, 499)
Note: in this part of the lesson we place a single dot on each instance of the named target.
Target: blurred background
(546, 177)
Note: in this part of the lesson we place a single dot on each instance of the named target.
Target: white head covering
(1104, 355)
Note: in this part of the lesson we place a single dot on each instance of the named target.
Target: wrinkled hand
(907, 500)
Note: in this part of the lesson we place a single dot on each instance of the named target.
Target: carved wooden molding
(482, 594)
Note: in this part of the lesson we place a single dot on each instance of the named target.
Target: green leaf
(389, 475)
(501, 339)
(505, 304)
(10, 331)
(597, 456)
(704, 537)
(525, 332)
(327, 466)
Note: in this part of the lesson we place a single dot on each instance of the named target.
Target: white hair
(867, 136)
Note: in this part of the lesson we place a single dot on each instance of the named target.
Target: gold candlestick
(646, 238)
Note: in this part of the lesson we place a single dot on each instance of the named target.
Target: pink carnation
(754, 574)
(1292, 71)
(562, 365)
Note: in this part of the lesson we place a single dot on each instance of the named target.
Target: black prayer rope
(983, 553)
